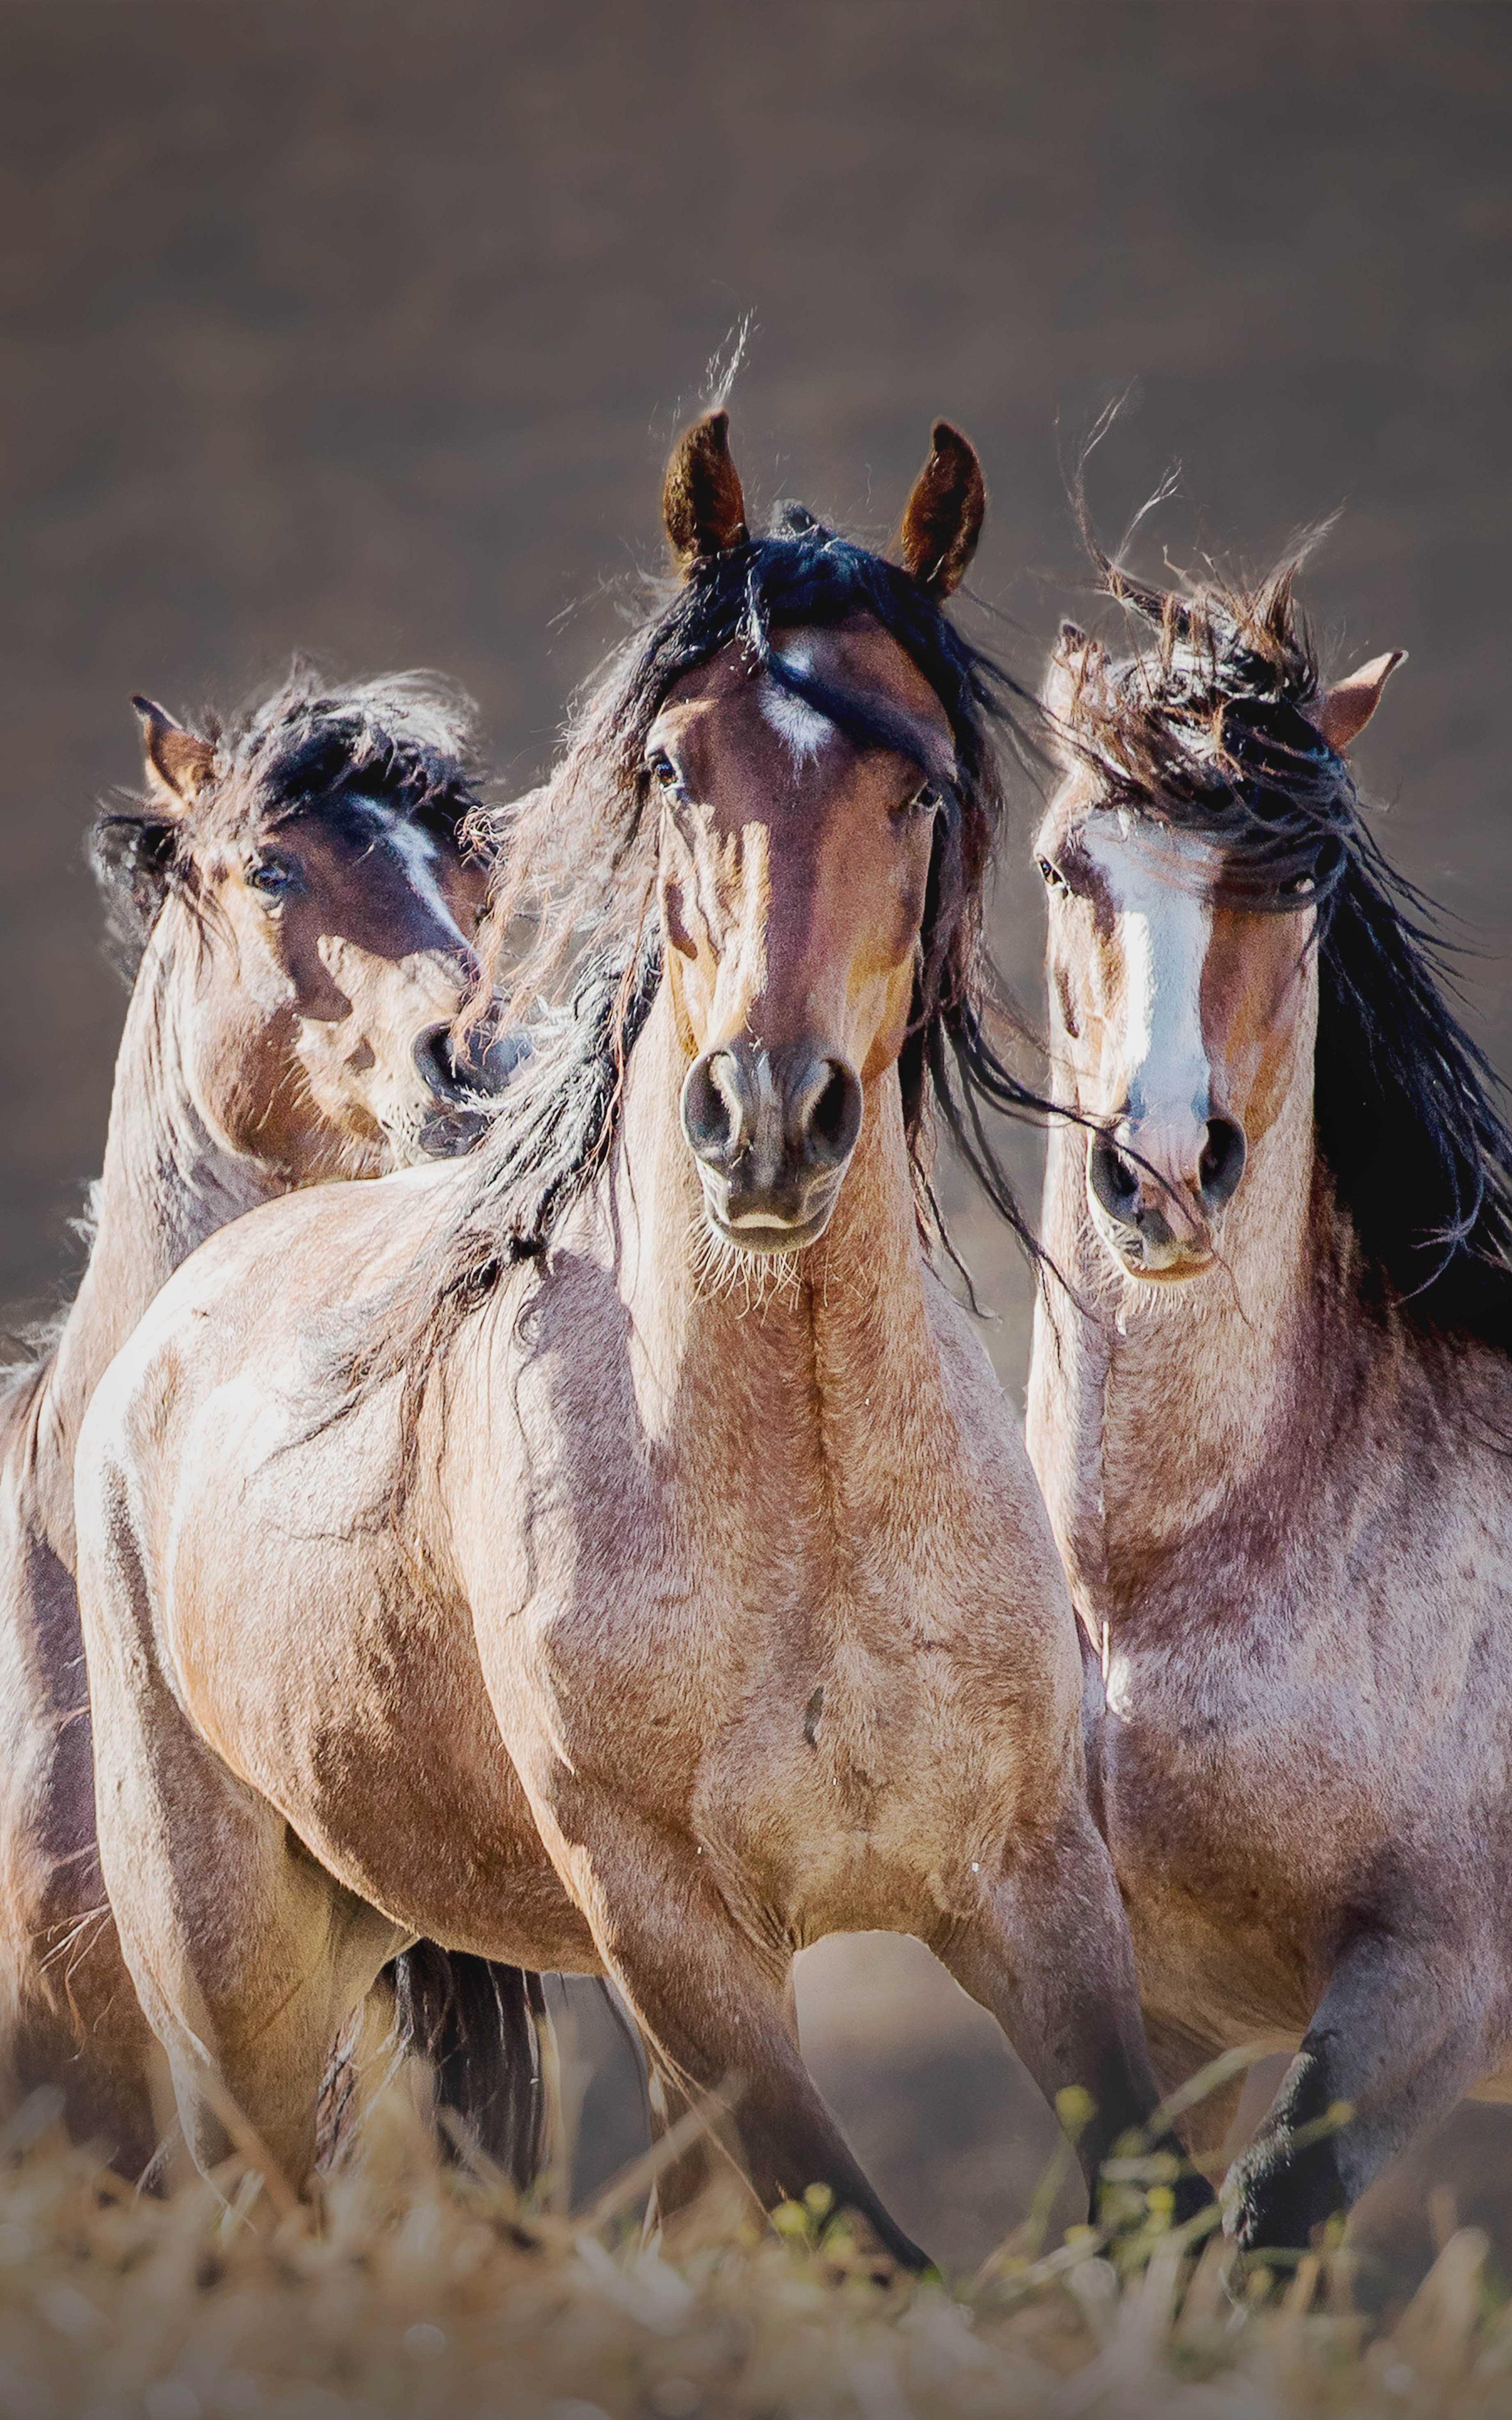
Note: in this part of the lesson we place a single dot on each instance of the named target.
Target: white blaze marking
(1165, 929)
(417, 852)
(794, 721)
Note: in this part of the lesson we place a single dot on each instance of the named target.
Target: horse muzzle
(772, 1132)
(464, 1081)
(1157, 1205)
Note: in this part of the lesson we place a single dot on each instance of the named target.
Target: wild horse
(299, 900)
(1270, 1414)
(637, 1543)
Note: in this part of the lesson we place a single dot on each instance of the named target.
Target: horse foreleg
(1048, 1956)
(684, 2174)
(711, 1999)
(1403, 2031)
(247, 1957)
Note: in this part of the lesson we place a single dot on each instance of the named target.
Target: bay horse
(1271, 1414)
(625, 1595)
(299, 902)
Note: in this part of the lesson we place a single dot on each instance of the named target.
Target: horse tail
(486, 2030)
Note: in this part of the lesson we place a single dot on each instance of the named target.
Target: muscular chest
(1265, 1767)
(833, 1700)
(812, 1722)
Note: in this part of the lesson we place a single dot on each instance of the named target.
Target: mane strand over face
(404, 742)
(1213, 725)
(579, 857)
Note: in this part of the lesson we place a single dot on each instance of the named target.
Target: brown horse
(640, 1591)
(1272, 1419)
(301, 903)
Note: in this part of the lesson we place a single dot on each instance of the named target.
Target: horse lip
(1169, 1263)
(760, 1231)
(1174, 1272)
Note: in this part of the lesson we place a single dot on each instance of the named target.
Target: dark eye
(1053, 878)
(926, 801)
(662, 771)
(273, 875)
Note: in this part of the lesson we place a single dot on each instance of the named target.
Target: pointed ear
(1078, 665)
(702, 503)
(179, 762)
(1344, 710)
(942, 518)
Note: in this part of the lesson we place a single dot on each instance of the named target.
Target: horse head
(1188, 855)
(800, 771)
(319, 861)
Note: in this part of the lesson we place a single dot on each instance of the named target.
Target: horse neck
(793, 1369)
(1155, 1411)
(169, 1180)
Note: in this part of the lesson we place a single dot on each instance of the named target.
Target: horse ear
(1077, 665)
(1344, 710)
(702, 503)
(942, 519)
(179, 762)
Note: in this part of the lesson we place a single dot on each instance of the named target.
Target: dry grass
(428, 2291)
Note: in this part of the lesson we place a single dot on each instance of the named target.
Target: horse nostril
(475, 1069)
(1114, 1183)
(436, 1058)
(1222, 1164)
(829, 1119)
(711, 1113)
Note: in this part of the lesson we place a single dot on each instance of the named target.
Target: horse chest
(1244, 1793)
(730, 1622)
(821, 1741)
(838, 1797)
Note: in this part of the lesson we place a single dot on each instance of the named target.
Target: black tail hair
(482, 2027)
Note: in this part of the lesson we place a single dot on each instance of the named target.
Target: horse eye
(926, 801)
(662, 771)
(1053, 878)
(271, 876)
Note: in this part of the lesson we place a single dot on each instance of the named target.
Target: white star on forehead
(802, 726)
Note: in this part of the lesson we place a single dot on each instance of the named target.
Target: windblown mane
(405, 741)
(1210, 723)
(579, 857)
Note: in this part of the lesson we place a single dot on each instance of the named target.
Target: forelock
(1208, 723)
(405, 741)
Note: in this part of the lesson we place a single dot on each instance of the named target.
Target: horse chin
(1171, 1264)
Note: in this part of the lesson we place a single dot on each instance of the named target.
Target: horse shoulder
(206, 1453)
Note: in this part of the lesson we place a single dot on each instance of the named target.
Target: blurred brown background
(362, 326)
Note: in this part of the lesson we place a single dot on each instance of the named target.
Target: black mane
(403, 740)
(580, 854)
(1211, 724)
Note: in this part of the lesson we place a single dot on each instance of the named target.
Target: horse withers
(1270, 1413)
(299, 902)
(683, 1635)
